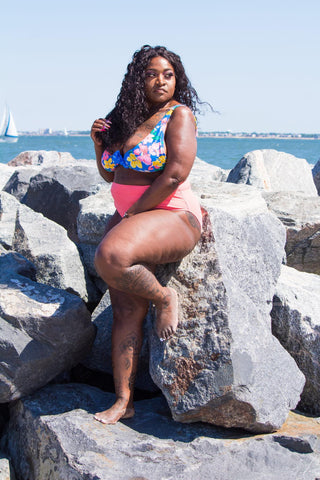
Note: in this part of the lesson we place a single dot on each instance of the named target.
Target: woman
(146, 146)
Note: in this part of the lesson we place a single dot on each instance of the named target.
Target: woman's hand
(99, 125)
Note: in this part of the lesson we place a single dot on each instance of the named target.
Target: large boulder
(19, 182)
(220, 366)
(5, 173)
(45, 244)
(95, 212)
(99, 359)
(203, 171)
(316, 175)
(42, 158)
(8, 212)
(300, 214)
(43, 332)
(52, 434)
(274, 171)
(56, 192)
(296, 323)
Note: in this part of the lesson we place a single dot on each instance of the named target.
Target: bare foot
(115, 413)
(167, 315)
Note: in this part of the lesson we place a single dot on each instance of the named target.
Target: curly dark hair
(131, 108)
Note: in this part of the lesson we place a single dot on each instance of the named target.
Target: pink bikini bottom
(181, 199)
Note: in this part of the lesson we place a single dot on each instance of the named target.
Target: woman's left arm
(181, 146)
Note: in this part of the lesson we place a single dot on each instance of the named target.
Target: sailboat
(8, 131)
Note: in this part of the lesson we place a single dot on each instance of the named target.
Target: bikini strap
(173, 108)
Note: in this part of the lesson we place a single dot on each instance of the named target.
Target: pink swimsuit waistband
(181, 199)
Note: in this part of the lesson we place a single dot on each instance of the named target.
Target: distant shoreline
(224, 135)
(254, 136)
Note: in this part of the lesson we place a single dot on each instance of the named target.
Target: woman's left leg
(129, 313)
(153, 237)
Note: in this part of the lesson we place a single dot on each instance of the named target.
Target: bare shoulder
(182, 111)
(182, 116)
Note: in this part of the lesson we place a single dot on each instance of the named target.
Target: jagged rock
(274, 171)
(203, 171)
(56, 191)
(316, 175)
(300, 214)
(296, 323)
(52, 434)
(19, 182)
(5, 173)
(48, 247)
(8, 211)
(15, 263)
(220, 366)
(99, 358)
(6, 472)
(43, 331)
(42, 158)
(95, 212)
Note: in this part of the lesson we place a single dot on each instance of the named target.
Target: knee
(104, 260)
(110, 260)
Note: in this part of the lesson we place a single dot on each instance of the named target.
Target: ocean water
(222, 152)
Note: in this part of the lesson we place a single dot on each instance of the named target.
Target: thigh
(153, 237)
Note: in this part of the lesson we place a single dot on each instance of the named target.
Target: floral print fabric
(148, 156)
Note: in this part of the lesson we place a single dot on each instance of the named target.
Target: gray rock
(296, 323)
(6, 472)
(43, 331)
(8, 212)
(5, 173)
(42, 158)
(15, 263)
(316, 175)
(300, 214)
(95, 211)
(274, 171)
(87, 252)
(52, 434)
(202, 172)
(220, 367)
(19, 182)
(99, 358)
(48, 247)
(56, 192)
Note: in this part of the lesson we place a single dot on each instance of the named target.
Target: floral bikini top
(148, 156)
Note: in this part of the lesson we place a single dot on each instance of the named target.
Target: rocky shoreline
(235, 394)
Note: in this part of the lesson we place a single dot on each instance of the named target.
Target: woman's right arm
(98, 126)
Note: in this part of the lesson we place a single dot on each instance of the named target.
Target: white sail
(11, 128)
(8, 129)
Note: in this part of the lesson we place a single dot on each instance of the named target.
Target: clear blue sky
(257, 62)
